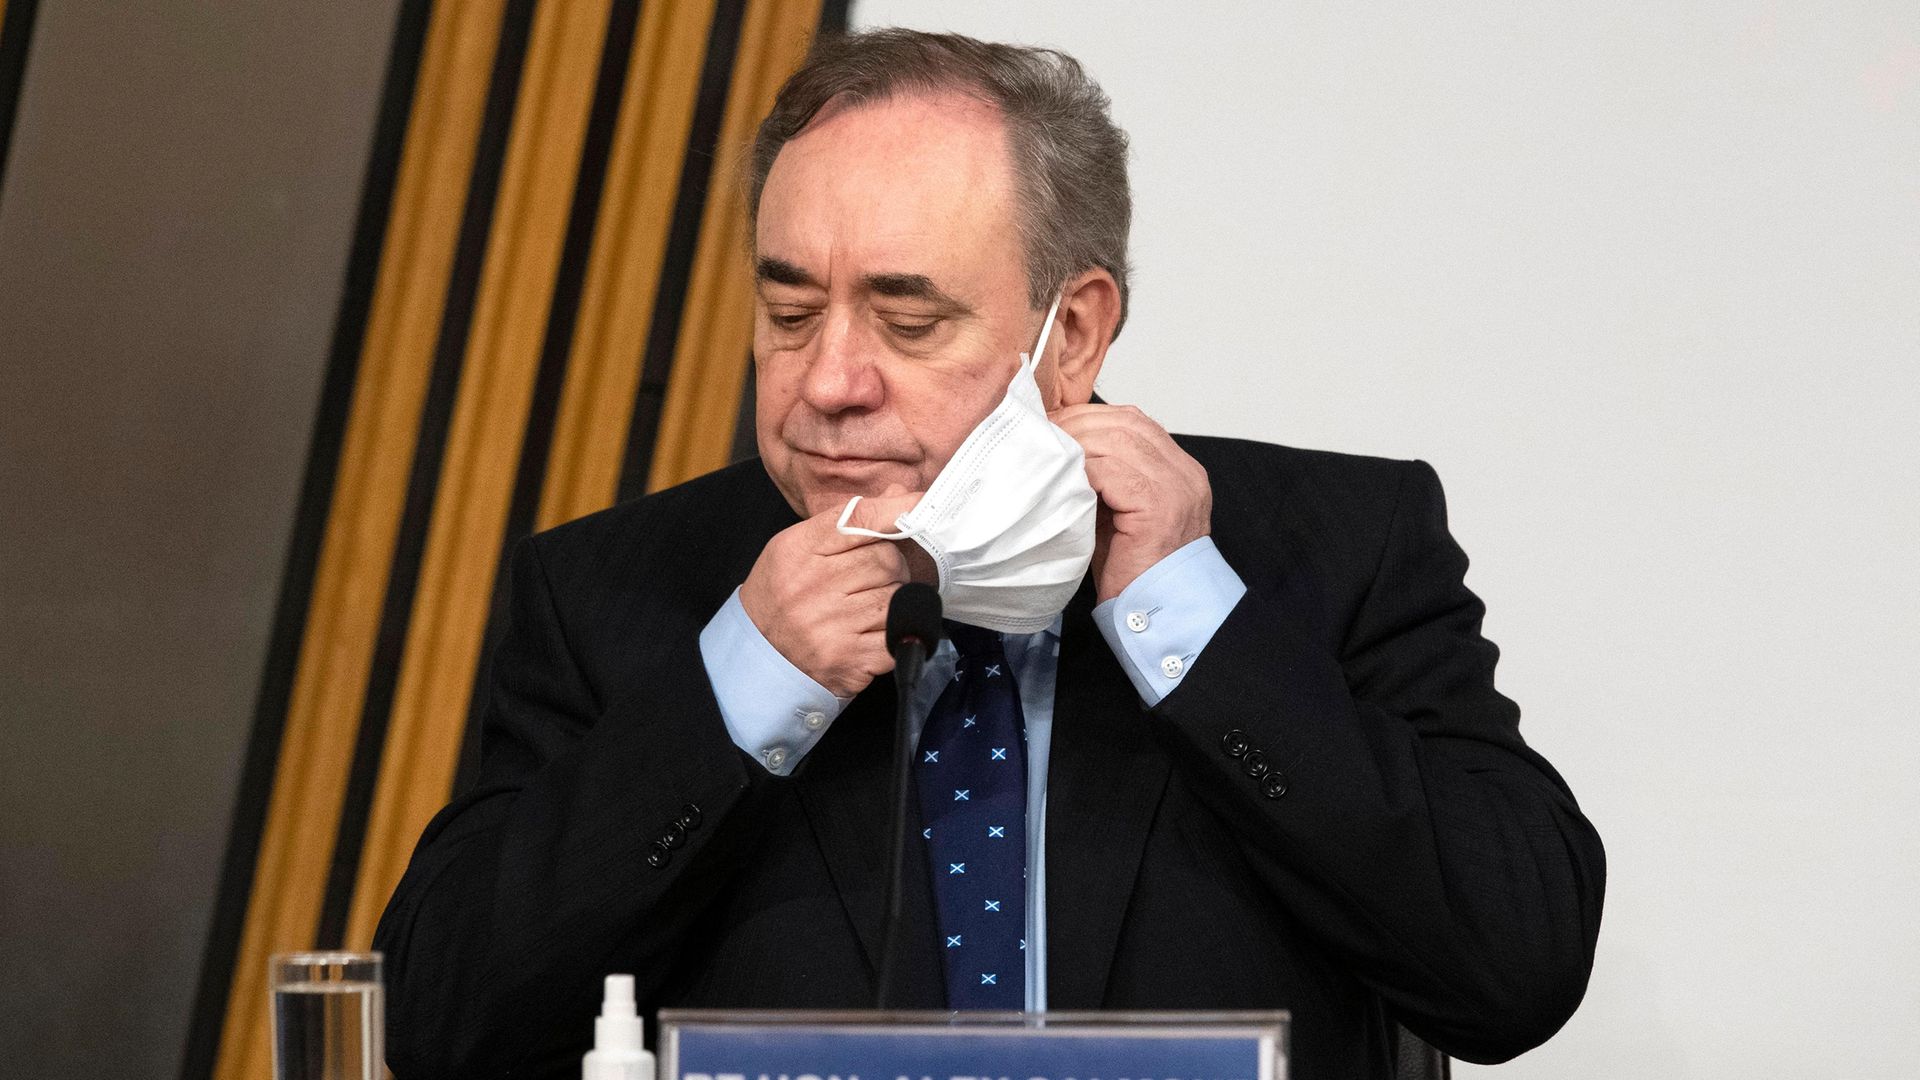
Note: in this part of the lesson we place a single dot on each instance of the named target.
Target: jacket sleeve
(594, 835)
(1385, 797)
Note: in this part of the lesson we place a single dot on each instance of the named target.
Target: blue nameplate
(941, 1046)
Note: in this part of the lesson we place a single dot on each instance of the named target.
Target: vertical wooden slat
(363, 518)
(477, 474)
(623, 275)
(716, 332)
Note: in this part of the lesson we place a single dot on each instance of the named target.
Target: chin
(820, 500)
(811, 496)
(829, 487)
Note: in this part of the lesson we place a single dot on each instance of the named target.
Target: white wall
(1643, 282)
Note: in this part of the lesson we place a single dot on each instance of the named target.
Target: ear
(1089, 313)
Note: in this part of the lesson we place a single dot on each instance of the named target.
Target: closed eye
(913, 331)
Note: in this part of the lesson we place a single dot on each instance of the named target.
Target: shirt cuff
(1158, 625)
(773, 710)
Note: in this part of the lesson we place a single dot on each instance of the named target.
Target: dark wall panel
(179, 205)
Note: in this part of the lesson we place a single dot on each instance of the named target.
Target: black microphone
(913, 630)
(913, 620)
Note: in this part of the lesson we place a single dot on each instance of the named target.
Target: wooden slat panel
(623, 274)
(323, 712)
(483, 446)
(716, 332)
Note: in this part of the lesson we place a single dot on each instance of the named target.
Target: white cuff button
(814, 720)
(1172, 666)
(776, 757)
(1137, 621)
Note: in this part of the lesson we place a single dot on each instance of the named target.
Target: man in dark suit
(1265, 765)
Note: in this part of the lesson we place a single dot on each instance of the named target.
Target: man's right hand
(821, 598)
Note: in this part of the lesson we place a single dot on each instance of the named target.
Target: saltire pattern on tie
(971, 772)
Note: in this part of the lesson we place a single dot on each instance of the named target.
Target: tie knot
(972, 642)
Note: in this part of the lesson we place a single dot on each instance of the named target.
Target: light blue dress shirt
(1156, 627)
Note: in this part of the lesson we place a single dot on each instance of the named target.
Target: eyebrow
(781, 272)
(915, 287)
(898, 286)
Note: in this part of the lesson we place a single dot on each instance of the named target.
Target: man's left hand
(1154, 498)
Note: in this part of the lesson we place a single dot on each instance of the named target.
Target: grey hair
(1074, 206)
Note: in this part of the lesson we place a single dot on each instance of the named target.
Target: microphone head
(913, 616)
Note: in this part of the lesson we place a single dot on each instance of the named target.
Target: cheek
(942, 415)
(774, 394)
(776, 379)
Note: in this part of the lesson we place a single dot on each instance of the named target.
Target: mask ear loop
(845, 529)
(1046, 328)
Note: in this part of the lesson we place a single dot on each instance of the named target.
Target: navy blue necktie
(972, 778)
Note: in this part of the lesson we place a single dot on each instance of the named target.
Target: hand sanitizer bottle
(619, 1048)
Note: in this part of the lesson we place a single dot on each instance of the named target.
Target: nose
(841, 376)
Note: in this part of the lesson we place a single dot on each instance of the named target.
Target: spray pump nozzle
(619, 1043)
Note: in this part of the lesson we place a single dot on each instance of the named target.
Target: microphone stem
(906, 675)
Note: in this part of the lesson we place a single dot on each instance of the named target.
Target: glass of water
(328, 1016)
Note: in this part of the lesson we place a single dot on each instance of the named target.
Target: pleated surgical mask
(1009, 522)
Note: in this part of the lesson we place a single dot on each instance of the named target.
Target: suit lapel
(1104, 782)
(843, 785)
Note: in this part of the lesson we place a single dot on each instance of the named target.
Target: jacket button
(659, 855)
(689, 817)
(1274, 786)
(1234, 743)
(1255, 764)
(675, 836)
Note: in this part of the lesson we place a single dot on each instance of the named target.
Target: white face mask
(1010, 520)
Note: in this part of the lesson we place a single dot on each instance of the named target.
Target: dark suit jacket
(1415, 863)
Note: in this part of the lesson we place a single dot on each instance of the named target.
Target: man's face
(892, 296)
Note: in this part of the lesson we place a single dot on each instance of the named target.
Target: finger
(1122, 486)
(875, 660)
(876, 566)
(1112, 416)
(1073, 413)
(878, 513)
(823, 537)
(1147, 452)
(1095, 415)
(1119, 438)
(1115, 434)
(869, 607)
(823, 529)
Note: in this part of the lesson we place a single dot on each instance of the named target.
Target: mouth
(847, 461)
